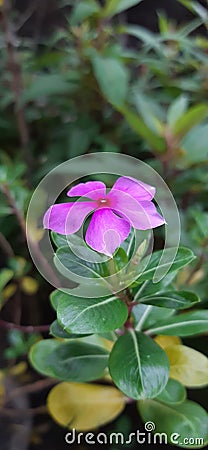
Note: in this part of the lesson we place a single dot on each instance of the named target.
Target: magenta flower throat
(128, 204)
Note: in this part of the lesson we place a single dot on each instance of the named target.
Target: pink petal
(142, 215)
(106, 231)
(67, 218)
(137, 189)
(91, 189)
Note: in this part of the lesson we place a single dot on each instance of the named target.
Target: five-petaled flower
(128, 204)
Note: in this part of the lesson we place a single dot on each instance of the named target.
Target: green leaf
(5, 276)
(78, 266)
(201, 219)
(83, 10)
(139, 126)
(112, 77)
(173, 393)
(183, 257)
(150, 39)
(77, 361)
(194, 146)
(192, 117)
(129, 244)
(148, 288)
(69, 361)
(78, 246)
(177, 110)
(38, 355)
(91, 315)
(179, 422)
(59, 240)
(150, 111)
(54, 298)
(196, 7)
(45, 85)
(5, 211)
(172, 299)
(146, 316)
(186, 324)
(114, 7)
(120, 259)
(57, 331)
(138, 366)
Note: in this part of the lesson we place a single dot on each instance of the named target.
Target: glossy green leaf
(54, 298)
(114, 7)
(183, 257)
(138, 366)
(145, 316)
(179, 422)
(39, 353)
(112, 77)
(59, 240)
(57, 331)
(172, 299)
(65, 258)
(148, 288)
(91, 315)
(78, 246)
(69, 361)
(173, 393)
(186, 324)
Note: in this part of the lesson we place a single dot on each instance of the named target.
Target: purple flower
(128, 204)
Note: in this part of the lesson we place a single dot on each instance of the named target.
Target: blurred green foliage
(99, 85)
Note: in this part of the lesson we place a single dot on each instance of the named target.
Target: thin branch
(16, 83)
(31, 388)
(24, 328)
(26, 16)
(6, 247)
(16, 211)
(15, 413)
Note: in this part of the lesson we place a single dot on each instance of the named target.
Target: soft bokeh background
(77, 79)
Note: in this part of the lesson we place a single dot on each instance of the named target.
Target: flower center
(103, 201)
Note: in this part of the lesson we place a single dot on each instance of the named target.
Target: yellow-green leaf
(84, 406)
(165, 341)
(187, 365)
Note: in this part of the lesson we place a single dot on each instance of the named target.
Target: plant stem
(6, 247)
(15, 413)
(31, 388)
(24, 328)
(16, 83)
